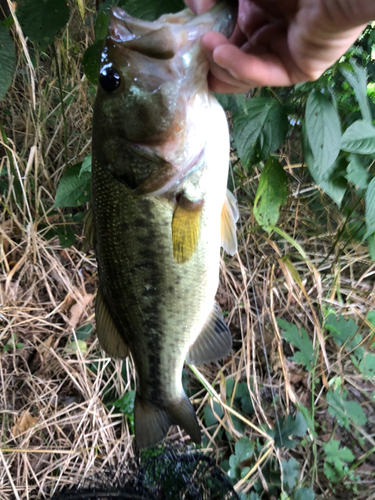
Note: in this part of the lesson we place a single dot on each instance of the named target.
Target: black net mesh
(159, 474)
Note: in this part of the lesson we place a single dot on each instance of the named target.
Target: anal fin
(186, 228)
(213, 343)
(229, 217)
(109, 337)
(152, 423)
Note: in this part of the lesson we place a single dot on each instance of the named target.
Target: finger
(209, 43)
(255, 70)
(225, 88)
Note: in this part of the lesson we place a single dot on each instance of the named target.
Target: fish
(161, 209)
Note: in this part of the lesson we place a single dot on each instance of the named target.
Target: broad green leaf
(359, 138)
(260, 130)
(209, 417)
(332, 179)
(101, 26)
(308, 417)
(367, 365)
(323, 129)
(66, 236)
(244, 449)
(75, 346)
(42, 19)
(371, 246)
(301, 340)
(370, 209)
(7, 60)
(91, 61)
(343, 332)
(357, 172)
(86, 165)
(371, 317)
(304, 494)
(343, 410)
(272, 192)
(126, 406)
(290, 472)
(73, 189)
(84, 332)
(337, 459)
(285, 428)
(358, 80)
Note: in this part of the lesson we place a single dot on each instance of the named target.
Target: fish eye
(109, 79)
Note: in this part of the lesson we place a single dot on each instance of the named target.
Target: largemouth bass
(160, 208)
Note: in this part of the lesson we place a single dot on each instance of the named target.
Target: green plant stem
(62, 104)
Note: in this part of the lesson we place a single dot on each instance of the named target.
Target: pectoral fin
(213, 343)
(229, 217)
(186, 229)
(109, 337)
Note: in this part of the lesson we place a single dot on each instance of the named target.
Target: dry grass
(54, 427)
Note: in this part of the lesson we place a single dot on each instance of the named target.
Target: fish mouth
(163, 38)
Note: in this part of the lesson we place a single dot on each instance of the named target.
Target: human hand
(281, 42)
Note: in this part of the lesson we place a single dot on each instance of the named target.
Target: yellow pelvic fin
(109, 337)
(229, 217)
(186, 228)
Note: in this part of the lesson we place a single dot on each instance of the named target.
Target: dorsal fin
(213, 343)
(186, 228)
(109, 337)
(229, 217)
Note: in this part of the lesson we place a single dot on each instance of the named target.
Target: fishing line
(256, 308)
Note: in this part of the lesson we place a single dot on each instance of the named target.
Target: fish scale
(158, 205)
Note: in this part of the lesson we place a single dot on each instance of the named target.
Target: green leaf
(244, 449)
(359, 138)
(209, 416)
(304, 494)
(336, 460)
(101, 26)
(7, 60)
(301, 340)
(272, 192)
(358, 80)
(126, 406)
(367, 365)
(73, 190)
(332, 179)
(323, 129)
(343, 410)
(75, 346)
(371, 246)
(260, 130)
(290, 472)
(308, 417)
(42, 19)
(91, 61)
(66, 236)
(84, 332)
(86, 165)
(357, 172)
(285, 428)
(343, 332)
(370, 209)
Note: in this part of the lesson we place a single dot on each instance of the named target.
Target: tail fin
(152, 423)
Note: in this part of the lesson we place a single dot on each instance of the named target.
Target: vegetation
(291, 414)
